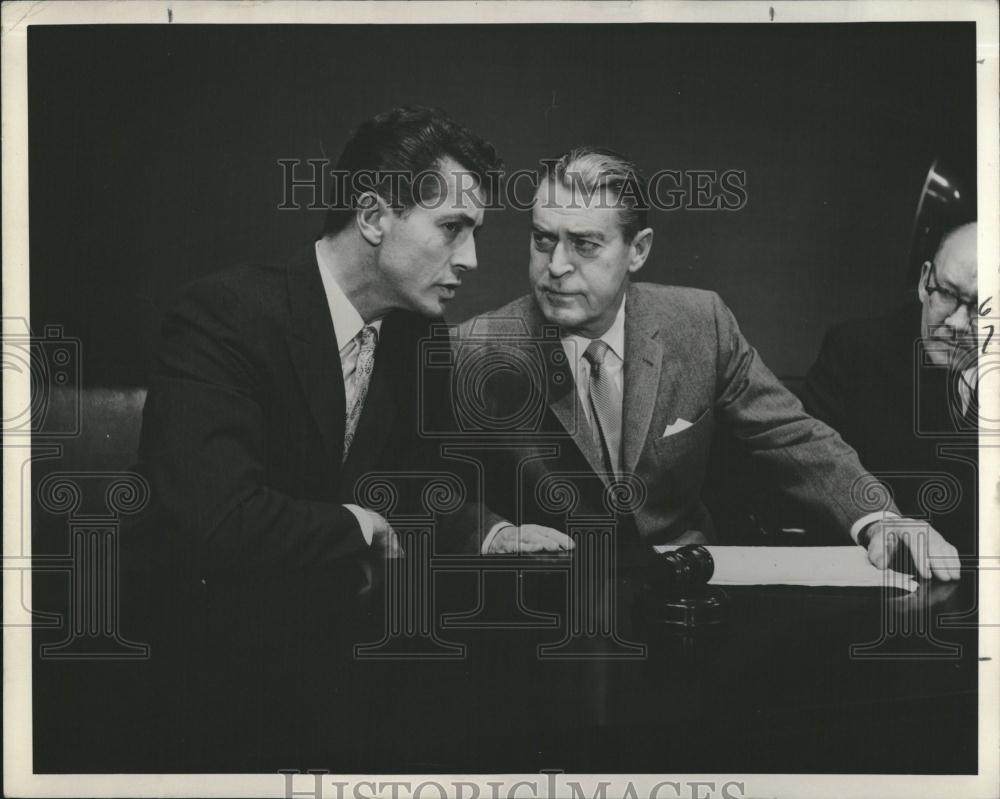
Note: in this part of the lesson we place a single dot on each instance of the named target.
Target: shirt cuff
(365, 522)
(488, 541)
(870, 518)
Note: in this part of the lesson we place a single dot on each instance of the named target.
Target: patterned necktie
(606, 406)
(367, 341)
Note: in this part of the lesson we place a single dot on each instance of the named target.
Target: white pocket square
(676, 427)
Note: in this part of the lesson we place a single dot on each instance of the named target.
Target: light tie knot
(597, 350)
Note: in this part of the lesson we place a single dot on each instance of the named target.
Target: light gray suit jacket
(685, 359)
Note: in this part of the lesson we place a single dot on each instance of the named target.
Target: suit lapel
(315, 353)
(561, 393)
(643, 364)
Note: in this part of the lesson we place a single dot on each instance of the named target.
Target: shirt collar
(347, 322)
(614, 336)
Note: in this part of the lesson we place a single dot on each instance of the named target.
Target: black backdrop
(154, 154)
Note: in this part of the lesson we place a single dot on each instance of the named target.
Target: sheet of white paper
(836, 566)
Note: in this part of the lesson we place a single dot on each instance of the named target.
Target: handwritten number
(986, 310)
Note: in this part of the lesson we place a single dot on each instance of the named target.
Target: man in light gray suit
(614, 390)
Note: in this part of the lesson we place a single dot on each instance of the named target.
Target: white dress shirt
(967, 383)
(347, 323)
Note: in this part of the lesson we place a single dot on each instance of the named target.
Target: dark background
(154, 154)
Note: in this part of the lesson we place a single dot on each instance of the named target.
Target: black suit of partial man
(276, 388)
(902, 390)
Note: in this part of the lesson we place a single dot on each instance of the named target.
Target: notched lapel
(565, 404)
(315, 354)
(643, 365)
(561, 394)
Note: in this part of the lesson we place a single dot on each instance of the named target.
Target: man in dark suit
(616, 388)
(276, 387)
(902, 390)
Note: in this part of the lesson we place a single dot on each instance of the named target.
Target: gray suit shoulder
(676, 304)
(673, 304)
(508, 320)
(679, 294)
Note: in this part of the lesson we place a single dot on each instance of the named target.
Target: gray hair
(596, 169)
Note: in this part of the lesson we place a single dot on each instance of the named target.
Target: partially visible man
(276, 387)
(902, 389)
(631, 381)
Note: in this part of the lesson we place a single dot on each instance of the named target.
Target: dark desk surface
(499, 671)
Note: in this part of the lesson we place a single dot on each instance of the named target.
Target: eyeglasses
(947, 300)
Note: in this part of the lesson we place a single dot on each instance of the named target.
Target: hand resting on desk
(932, 555)
(529, 538)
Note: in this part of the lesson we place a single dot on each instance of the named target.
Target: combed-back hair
(394, 154)
(607, 175)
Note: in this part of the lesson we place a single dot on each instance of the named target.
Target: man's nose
(960, 319)
(465, 257)
(559, 263)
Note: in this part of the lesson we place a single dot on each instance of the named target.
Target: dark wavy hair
(389, 150)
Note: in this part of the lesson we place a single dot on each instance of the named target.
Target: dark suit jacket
(243, 426)
(873, 383)
(684, 359)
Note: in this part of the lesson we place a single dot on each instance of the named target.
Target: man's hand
(931, 554)
(384, 539)
(529, 538)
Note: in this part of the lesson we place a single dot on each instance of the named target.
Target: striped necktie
(606, 406)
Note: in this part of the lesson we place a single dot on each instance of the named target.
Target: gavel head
(682, 571)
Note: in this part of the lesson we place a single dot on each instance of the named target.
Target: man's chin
(559, 316)
(556, 314)
(959, 353)
(432, 309)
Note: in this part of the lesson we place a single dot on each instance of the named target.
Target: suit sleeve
(803, 457)
(203, 448)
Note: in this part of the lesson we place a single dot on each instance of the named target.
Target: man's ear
(371, 217)
(642, 243)
(925, 269)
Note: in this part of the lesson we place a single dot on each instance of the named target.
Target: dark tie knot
(595, 354)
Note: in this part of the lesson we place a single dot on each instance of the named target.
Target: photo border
(17, 16)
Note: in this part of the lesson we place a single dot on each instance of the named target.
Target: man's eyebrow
(542, 231)
(462, 217)
(947, 284)
(587, 234)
